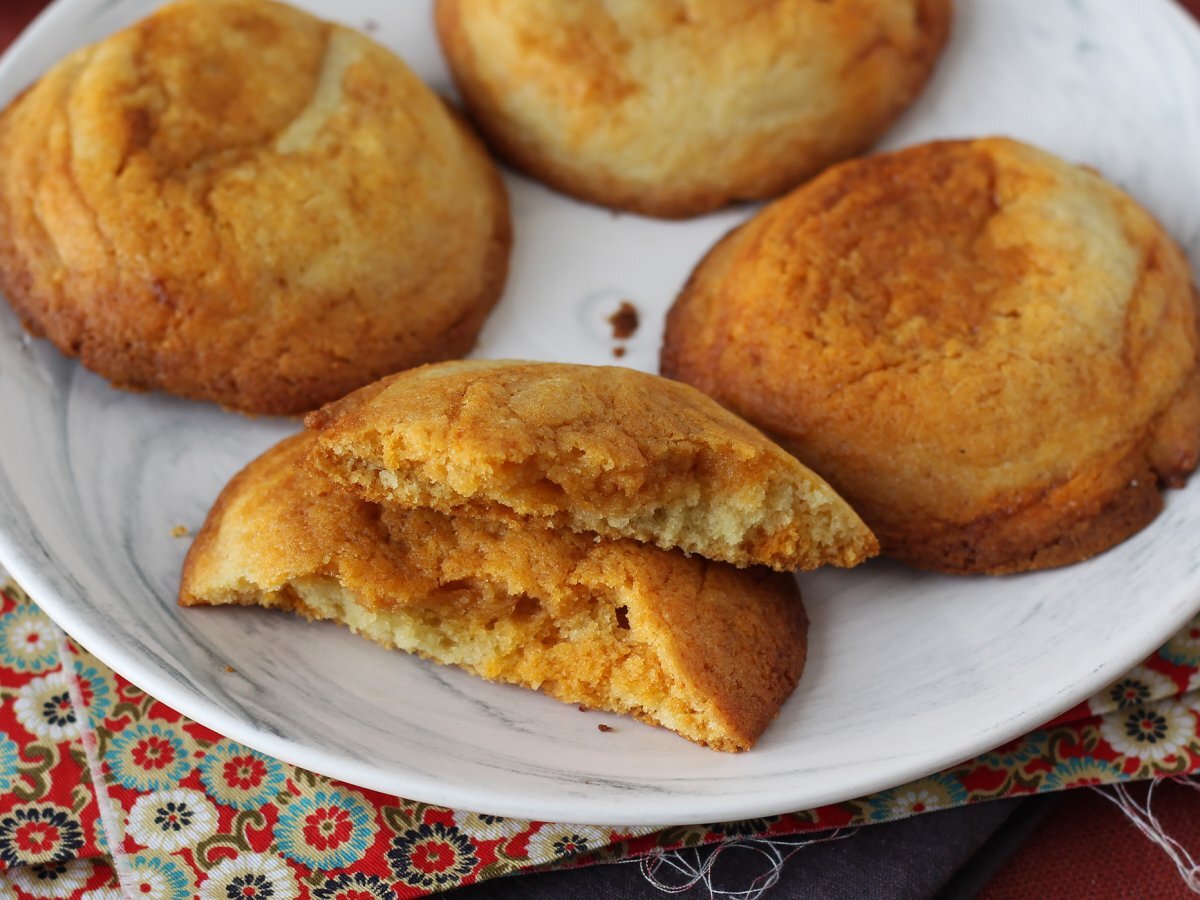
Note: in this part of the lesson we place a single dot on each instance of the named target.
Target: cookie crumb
(618, 352)
(230, 669)
(179, 531)
(584, 709)
(604, 728)
(624, 321)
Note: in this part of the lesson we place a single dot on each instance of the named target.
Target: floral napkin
(102, 788)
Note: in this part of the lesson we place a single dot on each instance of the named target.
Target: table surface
(1083, 843)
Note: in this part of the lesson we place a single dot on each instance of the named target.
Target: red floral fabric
(102, 788)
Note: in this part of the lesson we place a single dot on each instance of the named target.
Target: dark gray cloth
(949, 854)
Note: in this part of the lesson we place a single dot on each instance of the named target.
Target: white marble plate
(909, 672)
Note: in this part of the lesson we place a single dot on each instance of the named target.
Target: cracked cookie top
(675, 107)
(601, 449)
(991, 353)
(234, 201)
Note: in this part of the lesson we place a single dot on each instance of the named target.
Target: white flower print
(27, 641)
(913, 802)
(250, 874)
(481, 827)
(1149, 733)
(939, 791)
(170, 820)
(52, 880)
(44, 707)
(552, 842)
(156, 876)
(1139, 687)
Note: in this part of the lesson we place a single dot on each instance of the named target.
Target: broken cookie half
(700, 647)
(595, 449)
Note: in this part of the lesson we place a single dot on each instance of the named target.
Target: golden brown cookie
(702, 648)
(591, 448)
(673, 109)
(991, 353)
(237, 202)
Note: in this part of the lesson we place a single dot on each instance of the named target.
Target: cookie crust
(600, 449)
(992, 354)
(674, 109)
(234, 201)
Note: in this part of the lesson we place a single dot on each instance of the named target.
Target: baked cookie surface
(990, 353)
(592, 448)
(234, 201)
(699, 647)
(673, 109)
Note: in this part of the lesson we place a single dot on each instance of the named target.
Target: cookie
(601, 449)
(992, 354)
(673, 109)
(698, 647)
(234, 201)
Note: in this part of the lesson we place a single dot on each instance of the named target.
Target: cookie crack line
(327, 69)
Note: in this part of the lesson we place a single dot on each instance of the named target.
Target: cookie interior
(595, 449)
(701, 648)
